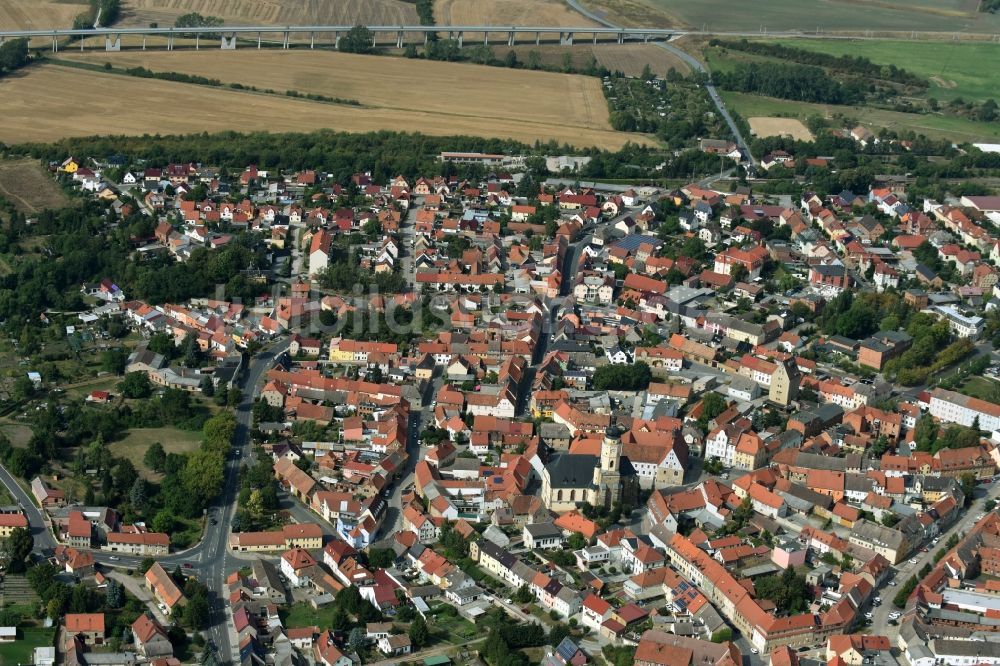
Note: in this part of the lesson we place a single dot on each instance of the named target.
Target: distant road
(692, 62)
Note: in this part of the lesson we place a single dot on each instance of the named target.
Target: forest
(803, 83)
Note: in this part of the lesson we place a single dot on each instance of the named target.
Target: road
(905, 569)
(45, 542)
(692, 62)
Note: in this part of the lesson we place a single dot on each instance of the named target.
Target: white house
(298, 566)
(542, 535)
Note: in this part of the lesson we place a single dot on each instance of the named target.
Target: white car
(913, 560)
(894, 615)
(869, 616)
(754, 650)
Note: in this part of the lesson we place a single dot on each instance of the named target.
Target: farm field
(827, 15)
(940, 127)
(436, 98)
(138, 440)
(966, 70)
(39, 14)
(507, 12)
(763, 126)
(272, 12)
(626, 58)
(28, 187)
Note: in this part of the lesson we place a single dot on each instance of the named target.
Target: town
(495, 415)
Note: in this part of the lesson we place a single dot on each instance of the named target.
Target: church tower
(607, 476)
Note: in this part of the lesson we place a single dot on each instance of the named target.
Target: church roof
(568, 470)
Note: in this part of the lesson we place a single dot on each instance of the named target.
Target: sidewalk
(136, 589)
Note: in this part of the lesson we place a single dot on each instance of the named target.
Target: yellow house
(338, 354)
(70, 165)
(11, 521)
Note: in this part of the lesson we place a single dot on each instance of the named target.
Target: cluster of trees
(13, 55)
(180, 77)
(196, 20)
(930, 438)
(856, 65)
(258, 498)
(851, 317)
(789, 591)
(358, 39)
(16, 549)
(633, 377)
(932, 349)
(345, 276)
(506, 639)
(425, 10)
(99, 13)
(803, 83)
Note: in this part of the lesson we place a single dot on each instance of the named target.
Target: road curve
(693, 63)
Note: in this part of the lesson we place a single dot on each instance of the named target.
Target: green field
(174, 440)
(304, 615)
(933, 126)
(969, 70)
(829, 15)
(982, 388)
(20, 651)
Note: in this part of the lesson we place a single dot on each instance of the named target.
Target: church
(570, 479)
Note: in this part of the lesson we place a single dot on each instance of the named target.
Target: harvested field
(437, 98)
(39, 14)
(272, 12)
(770, 126)
(626, 58)
(507, 12)
(28, 187)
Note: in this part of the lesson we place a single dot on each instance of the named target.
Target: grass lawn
(19, 434)
(955, 69)
(982, 388)
(138, 440)
(304, 615)
(20, 651)
(938, 127)
(456, 629)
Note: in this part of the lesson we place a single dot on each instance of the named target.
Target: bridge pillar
(112, 43)
(284, 43)
(81, 43)
(486, 38)
(55, 44)
(336, 40)
(566, 38)
(538, 38)
(229, 43)
(258, 40)
(595, 38)
(461, 38)
(645, 39)
(170, 42)
(197, 42)
(312, 40)
(399, 39)
(510, 38)
(621, 37)
(144, 42)
(427, 38)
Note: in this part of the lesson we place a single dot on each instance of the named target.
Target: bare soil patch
(769, 126)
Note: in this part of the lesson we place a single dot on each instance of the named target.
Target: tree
(114, 361)
(381, 558)
(115, 597)
(146, 564)
(738, 272)
(17, 548)
(13, 55)
(523, 595)
(358, 39)
(968, 481)
(196, 612)
(633, 377)
(925, 433)
(418, 632)
(722, 635)
(203, 475)
(576, 541)
(137, 494)
(155, 457)
(136, 385)
(356, 640)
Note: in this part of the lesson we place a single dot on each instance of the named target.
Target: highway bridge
(272, 36)
(330, 35)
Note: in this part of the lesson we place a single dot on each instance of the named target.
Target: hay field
(39, 14)
(52, 102)
(29, 187)
(764, 126)
(272, 12)
(507, 12)
(453, 90)
(626, 58)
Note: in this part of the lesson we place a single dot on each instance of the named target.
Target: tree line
(855, 65)
(13, 55)
(803, 83)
